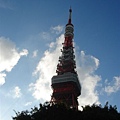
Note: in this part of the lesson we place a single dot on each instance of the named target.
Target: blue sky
(31, 36)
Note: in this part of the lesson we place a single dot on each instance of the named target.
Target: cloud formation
(9, 57)
(57, 29)
(35, 53)
(2, 78)
(112, 87)
(46, 69)
(16, 92)
(86, 67)
(28, 103)
(51, 33)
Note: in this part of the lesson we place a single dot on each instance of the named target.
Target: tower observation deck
(65, 85)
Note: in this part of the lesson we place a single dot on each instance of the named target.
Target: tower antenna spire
(70, 14)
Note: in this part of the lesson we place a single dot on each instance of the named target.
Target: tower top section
(70, 13)
(70, 17)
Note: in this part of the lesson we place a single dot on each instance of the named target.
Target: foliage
(51, 111)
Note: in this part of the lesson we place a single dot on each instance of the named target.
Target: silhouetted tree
(51, 111)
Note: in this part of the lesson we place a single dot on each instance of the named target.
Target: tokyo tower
(65, 85)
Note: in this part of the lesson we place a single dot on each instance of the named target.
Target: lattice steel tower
(65, 85)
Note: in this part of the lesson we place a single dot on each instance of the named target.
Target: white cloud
(9, 57)
(28, 103)
(2, 78)
(86, 66)
(46, 69)
(35, 53)
(113, 87)
(24, 52)
(51, 33)
(16, 92)
(57, 29)
(46, 36)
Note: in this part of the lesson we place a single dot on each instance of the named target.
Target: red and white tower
(65, 85)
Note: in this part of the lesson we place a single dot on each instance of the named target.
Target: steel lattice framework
(65, 85)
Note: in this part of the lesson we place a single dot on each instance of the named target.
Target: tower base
(65, 93)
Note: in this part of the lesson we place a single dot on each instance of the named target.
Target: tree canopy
(50, 111)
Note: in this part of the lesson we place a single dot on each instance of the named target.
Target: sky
(31, 36)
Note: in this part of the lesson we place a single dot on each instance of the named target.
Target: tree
(51, 111)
